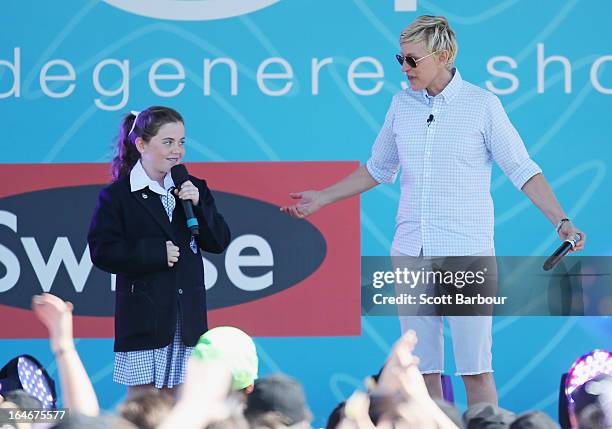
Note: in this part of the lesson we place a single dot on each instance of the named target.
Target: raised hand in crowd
(77, 391)
(401, 372)
(401, 376)
(356, 412)
(202, 396)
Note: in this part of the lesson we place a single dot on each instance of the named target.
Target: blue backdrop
(311, 80)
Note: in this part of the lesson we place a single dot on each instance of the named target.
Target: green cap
(232, 347)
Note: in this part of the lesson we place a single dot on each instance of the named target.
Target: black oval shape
(298, 248)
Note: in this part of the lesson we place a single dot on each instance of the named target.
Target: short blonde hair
(436, 35)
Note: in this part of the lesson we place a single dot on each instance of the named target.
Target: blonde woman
(444, 134)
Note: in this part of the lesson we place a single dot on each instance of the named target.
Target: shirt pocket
(469, 149)
(409, 140)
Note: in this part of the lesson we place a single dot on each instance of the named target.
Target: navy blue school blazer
(127, 237)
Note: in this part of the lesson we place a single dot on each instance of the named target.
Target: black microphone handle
(561, 252)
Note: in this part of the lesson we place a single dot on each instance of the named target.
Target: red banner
(308, 285)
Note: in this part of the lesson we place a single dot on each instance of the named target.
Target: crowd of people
(222, 390)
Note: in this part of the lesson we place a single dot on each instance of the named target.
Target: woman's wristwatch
(558, 227)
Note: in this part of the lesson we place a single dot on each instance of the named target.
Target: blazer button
(180, 291)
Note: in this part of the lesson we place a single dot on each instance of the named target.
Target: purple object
(586, 368)
(447, 389)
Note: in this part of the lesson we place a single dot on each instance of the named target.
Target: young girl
(139, 232)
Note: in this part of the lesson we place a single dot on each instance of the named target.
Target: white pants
(472, 340)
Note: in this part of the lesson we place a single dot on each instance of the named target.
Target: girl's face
(164, 150)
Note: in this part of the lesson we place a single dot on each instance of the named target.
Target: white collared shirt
(445, 207)
(140, 180)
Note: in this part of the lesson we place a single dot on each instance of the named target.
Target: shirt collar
(140, 180)
(451, 90)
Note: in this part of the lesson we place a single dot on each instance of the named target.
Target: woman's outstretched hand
(308, 203)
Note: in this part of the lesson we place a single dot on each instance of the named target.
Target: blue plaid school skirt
(162, 367)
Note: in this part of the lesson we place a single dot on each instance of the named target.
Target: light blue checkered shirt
(445, 206)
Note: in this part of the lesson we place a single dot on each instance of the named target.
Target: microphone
(430, 119)
(561, 251)
(179, 176)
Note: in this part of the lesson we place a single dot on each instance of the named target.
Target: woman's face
(427, 69)
(164, 150)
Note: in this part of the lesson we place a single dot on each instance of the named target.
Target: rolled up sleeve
(383, 164)
(506, 146)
